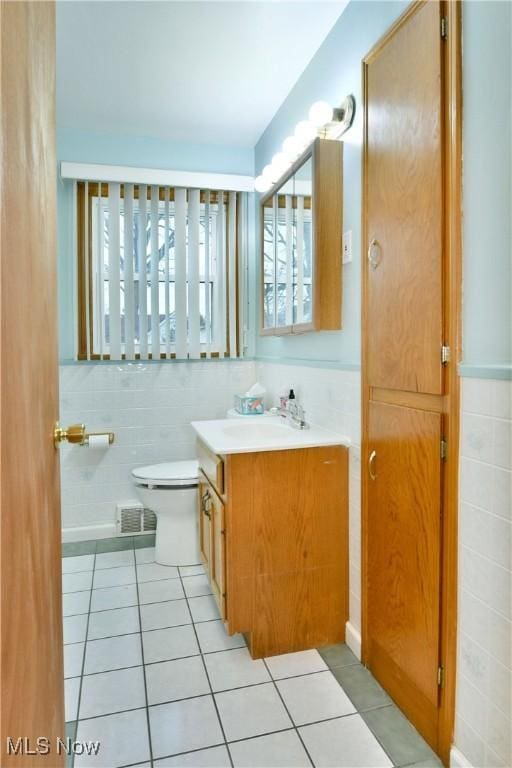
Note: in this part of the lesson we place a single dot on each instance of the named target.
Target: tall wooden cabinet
(406, 398)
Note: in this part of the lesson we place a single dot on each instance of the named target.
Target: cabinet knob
(373, 253)
(371, 464)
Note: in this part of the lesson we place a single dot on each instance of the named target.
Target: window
(159, 272)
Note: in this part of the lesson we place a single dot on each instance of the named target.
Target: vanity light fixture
(305, 132)
(322, 121)
(262, 184)
(320, 113)
(291, 148)
(279, 165)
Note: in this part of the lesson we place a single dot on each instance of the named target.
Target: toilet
(170, 491)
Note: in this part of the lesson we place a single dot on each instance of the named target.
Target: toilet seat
(169, 474)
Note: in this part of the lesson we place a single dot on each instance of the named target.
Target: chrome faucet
(297, 415)
(294, 413)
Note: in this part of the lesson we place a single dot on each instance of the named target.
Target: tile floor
(151, 673)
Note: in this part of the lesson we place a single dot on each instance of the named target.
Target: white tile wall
(332, 399)
(484, 680)
(149, 407)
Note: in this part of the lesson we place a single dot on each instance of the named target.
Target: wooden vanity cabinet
(274, 543)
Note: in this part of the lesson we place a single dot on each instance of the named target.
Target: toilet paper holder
(76, 434)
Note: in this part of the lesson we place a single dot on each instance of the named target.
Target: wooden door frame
(452, 278)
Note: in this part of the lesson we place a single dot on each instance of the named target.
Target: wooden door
(218, 556)
(31, 611)
(410, 397)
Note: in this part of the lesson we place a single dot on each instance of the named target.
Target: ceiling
(207, 72)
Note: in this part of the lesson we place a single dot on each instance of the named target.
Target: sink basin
(225, 436)
(256, 431)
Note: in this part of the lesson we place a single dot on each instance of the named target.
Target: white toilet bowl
(170, 491)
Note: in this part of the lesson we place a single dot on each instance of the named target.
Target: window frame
(86, 308)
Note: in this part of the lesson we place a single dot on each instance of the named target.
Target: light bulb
(262, 184)
(305, 132)
(280, 164)
(320, 113)
(268, 173)
(292, 148)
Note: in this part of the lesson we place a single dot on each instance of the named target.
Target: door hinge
(444, 28)
(444, 449)
(445, 354)
(440, 676)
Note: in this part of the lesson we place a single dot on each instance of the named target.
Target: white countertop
(224, 436)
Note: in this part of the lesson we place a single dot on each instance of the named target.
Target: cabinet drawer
(212, 466)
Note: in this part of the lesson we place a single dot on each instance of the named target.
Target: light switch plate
(346, 247)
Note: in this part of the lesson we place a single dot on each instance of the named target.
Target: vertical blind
(161, 271)
(287, 260)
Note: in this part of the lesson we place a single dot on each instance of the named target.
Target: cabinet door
(405, 208)
(404, 557)
(205, 535)
(218, 553)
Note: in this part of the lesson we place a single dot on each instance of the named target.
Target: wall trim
(458, 760)
(309, 363)
(89, 532)
(353, 639)
(476, 371)
(163, 178)
(162, 361)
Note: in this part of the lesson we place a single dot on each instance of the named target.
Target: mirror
(288, 252)
(294, 269)
(303, 244)
(269, 280)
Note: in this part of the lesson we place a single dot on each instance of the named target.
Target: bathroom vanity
(274, 532)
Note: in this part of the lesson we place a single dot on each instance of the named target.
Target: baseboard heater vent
(133, 520)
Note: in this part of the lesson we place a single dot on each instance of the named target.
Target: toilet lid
(168, 473)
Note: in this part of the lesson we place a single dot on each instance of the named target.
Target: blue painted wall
(487, 197)
(145, 152)
(335, 71)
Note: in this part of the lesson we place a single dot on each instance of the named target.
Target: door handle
(207, 505)
(371, 460)
(373, 255)
(73, 434)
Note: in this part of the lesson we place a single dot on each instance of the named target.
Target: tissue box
(249, 406)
